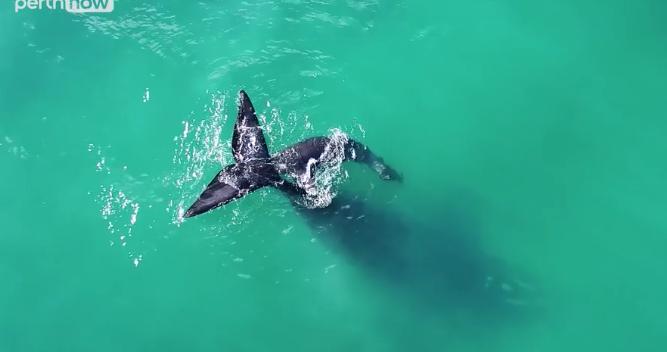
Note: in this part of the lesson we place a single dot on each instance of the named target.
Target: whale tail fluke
(249, 173)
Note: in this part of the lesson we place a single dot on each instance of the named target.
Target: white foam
(321, 189)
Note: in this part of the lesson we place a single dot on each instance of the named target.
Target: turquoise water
(531, 137)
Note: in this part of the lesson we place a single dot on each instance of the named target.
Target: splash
(199, 145)
(101, 164)
(118, 208)
(8, 144)
(147, 96)
(329, 174)
(121, 213)
(280, 131)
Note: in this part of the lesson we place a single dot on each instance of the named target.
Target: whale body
(255, 167)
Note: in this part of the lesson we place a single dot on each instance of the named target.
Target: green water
(531, 136)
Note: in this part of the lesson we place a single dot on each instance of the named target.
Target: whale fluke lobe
(233, 182)
(248, 139)
(215, 195)
(256, 168)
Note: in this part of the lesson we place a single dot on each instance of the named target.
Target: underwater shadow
(441, 264)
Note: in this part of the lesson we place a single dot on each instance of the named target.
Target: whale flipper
(360, 153)
(248, 141)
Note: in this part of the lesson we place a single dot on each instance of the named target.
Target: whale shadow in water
(442, 265)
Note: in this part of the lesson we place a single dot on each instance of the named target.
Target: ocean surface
(532, 138)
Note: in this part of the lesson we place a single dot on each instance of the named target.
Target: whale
(292, 170)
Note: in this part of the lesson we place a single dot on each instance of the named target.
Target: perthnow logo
(74, 6)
